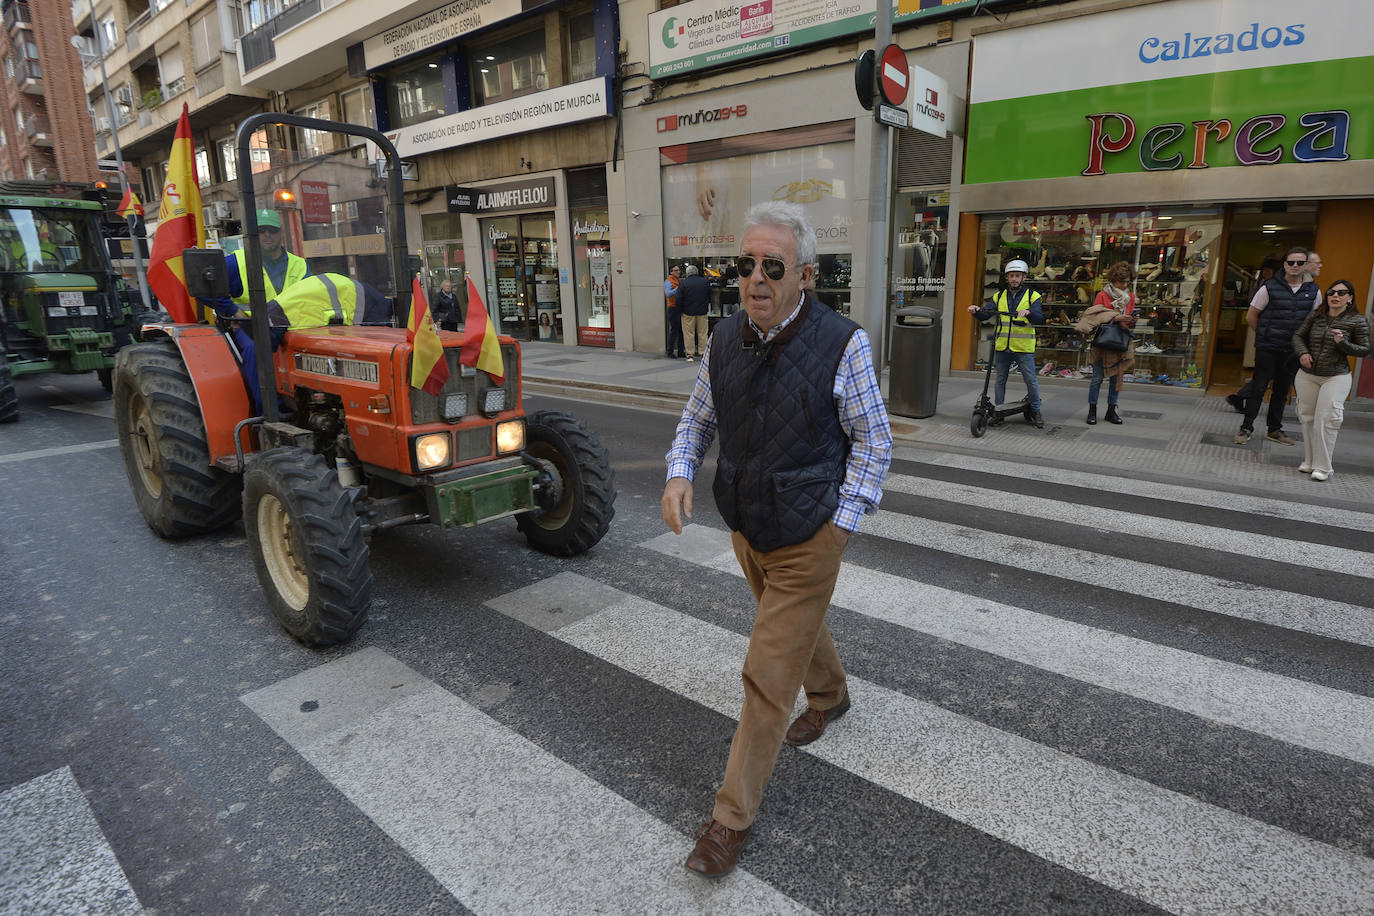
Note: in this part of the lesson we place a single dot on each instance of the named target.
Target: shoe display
(1243, 437)
(1279, 436)
(1320, 475)
(1147, 348)
(1065, 373)
(1088, 371)
(1048, 368)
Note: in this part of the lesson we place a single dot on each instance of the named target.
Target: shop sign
(929, 102)
(591, 228)
(701, 116)
(315, 202)
(708, 33)
(515, 195)
(1190, 84)
(423, 33)
(555, 107)
(460, 199)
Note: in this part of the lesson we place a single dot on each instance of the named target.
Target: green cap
(269, 218)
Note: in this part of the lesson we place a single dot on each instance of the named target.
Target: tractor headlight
(510, 436)
(493, 401)
(433, 450)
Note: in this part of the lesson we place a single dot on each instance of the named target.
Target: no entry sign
(893, 78)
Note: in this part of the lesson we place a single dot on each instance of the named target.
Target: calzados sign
(1326, 140)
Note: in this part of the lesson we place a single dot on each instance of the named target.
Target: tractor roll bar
(257, 294)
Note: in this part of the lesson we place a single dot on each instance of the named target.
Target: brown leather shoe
(717, 849)
(811, 724)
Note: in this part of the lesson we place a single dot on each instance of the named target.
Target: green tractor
(63, 307)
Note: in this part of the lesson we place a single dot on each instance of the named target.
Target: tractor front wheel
(9, 401)
(163, 441)
(308, 547)
(585, 485)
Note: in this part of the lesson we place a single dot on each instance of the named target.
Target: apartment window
(512, 68)
(229, 158)
(581, 47)
(19, 119)
(30, 50)
(203, 168)
(205, 40)
(9, 66)
(314, 142)
(109, 36)
(173, 72)
(357, 109)
(415, 92)
(261, 11)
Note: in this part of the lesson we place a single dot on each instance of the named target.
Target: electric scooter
(985, 412)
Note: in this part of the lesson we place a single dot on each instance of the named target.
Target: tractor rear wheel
(9, 401)
(163, 441)
(586, 485)
(308, 546)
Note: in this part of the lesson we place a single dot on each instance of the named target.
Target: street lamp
(132, 218)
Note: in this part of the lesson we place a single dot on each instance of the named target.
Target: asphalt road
(1068, 697)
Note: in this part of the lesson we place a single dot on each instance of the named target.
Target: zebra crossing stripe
(1163, 847)
(56, 857)
(57, 452)
(1283, 550)
(1308, 715)
(505, 826)
(1293, 510)
(1320, 616)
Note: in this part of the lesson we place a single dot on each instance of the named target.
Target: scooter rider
(1018, 311)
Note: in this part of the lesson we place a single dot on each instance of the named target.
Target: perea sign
(1326, 139)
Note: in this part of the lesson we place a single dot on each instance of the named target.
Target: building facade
(42, 82)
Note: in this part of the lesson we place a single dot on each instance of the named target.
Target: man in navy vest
(804, 447)
(1278, 309)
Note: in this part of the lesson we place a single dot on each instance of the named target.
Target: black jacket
(694, 295)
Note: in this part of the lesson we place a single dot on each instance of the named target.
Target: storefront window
(443, 257)
(581, 47)
(513, 68)
(522, 275)
(415, 92)
(1173, 254)
(592, 276)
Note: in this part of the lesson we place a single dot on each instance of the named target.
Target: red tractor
(346, 447)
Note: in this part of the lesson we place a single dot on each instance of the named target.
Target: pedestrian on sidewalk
(804, 447)
(694, 301)
(1018, 312)
(1116, 303)
(1332, 333)
(1278, 309)
(673, 315)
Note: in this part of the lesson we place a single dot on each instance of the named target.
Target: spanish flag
(480, 347)
(428, 368)
(130, 205)
(180, 225)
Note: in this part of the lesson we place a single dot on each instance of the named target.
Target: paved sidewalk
(1170, 434)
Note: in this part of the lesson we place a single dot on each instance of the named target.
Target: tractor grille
(61, 314)
(426, 407)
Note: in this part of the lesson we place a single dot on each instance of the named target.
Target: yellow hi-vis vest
(321, 300)
(1021, 336)
(295, 272)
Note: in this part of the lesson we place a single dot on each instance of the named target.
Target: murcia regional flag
(180, 225)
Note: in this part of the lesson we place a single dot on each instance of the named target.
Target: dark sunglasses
(1333, 291)
(773, 268)
(1296, 263)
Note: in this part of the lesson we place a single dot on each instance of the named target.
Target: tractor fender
(215, 372)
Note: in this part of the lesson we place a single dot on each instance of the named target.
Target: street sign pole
(873, 314)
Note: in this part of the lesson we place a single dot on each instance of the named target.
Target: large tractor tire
(586, 485)
(9, 401)
(308, 546)
(162, 438)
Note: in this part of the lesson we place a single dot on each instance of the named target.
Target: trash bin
(913, 371)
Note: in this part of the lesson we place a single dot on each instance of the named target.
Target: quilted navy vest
(782, 449)
(1284, 314)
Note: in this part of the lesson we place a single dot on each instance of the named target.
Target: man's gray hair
(787, 216)
(692, 270)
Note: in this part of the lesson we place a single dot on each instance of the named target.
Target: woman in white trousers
(1333, 332)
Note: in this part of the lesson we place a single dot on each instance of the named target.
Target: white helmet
(1016, 264)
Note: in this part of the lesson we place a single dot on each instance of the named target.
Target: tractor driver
(313, 302)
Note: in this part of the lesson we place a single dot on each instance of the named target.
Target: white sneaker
(1304, 468)
(1320, 475)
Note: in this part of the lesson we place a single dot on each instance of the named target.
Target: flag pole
(132, 218)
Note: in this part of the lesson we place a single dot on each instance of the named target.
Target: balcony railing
(258, 45)
(17, 14)
(37, 130)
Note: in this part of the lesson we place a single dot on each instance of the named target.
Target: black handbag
(1112, 336)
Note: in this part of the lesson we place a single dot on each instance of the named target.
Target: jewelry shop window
(415, 93)
(1172, 254)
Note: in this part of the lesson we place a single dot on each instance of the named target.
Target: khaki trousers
(694, 328)
(790, 648)
(1321, 408)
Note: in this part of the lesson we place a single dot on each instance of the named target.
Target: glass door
(539, 248)
(505, 276)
